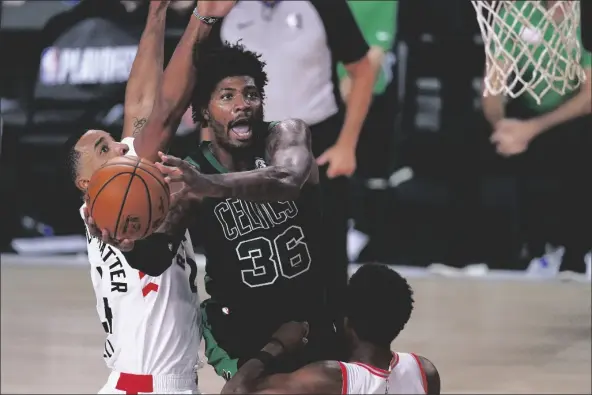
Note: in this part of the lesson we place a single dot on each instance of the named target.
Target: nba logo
(49, 67)
(260, 163)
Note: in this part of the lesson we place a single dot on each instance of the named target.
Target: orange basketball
(128, 197)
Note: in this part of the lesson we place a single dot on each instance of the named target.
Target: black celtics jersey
(262, 256)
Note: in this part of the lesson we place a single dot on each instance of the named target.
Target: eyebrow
(99, 141)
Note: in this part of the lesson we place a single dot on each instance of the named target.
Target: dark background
(460, 206)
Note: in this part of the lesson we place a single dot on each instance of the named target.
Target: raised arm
(291, 164)
(177, 82)
(146, 72)
(494, 105)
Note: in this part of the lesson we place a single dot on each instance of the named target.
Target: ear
(205, 114)
(349, 331)
(82, 183)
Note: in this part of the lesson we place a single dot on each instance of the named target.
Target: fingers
(90, 224)
(126, 245)
(323, 159)
(172, 160)
(332, 171)
(172, 174)
(104, 235)
(167, 169)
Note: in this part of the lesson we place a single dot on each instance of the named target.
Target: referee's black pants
(335, 203)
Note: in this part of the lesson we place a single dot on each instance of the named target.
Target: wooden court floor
(484, 336)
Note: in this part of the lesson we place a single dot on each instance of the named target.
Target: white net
(530, 46)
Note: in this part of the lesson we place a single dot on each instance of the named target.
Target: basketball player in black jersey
(259, 212)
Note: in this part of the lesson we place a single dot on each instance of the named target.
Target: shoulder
(289, 133)
(432, 375)
(290, 128)
(326, 374)
(290, 123)
(318, 377)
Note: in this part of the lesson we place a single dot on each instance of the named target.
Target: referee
(301, 43)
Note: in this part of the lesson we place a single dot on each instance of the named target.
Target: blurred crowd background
(429, 187)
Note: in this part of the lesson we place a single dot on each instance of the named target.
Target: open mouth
(242, 129)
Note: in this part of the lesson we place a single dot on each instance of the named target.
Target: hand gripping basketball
(177, 170)
(103, 234)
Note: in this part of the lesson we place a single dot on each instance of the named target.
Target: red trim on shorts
(135, 383)
(424, 379)
(344, 382)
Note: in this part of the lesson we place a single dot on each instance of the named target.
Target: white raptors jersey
(152, 323)
(406, 377)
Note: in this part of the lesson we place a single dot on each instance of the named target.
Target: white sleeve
(353, 379)
(129, 141)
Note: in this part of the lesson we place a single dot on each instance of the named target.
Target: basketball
(128, 197)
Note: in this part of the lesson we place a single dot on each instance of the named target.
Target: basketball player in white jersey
(379, 304)
(150, 312)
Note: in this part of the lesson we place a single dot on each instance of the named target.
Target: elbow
(289, 189)
(289, 184)
(363, 68)
(376, 57)
(152, 270)
(151, 256)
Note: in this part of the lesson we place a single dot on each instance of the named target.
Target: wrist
(208, 20)
(537, 126)
(347, 143)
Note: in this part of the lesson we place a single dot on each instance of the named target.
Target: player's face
(95, 147)
(234, 109)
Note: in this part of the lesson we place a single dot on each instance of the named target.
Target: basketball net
(514, 46)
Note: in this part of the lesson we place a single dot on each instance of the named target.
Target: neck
(237, 160)
(372, 355)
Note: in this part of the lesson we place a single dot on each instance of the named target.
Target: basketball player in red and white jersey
(150, 312)
(378, 306)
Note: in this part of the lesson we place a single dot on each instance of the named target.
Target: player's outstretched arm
(291, 164)
(177, 83)
(146, 72)
(317, 378)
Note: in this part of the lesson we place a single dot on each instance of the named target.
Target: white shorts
(122, 383)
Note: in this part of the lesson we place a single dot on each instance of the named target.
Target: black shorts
(239, 335)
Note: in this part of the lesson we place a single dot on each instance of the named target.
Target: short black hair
(216, 62)
(72, 156)
(379, 304)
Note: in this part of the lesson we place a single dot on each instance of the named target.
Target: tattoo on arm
(290, 159)
(138, 125)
